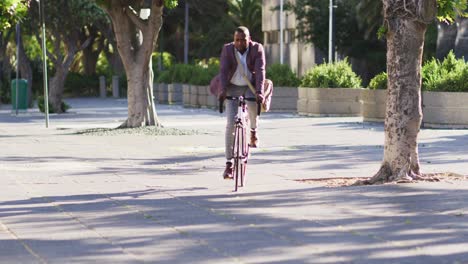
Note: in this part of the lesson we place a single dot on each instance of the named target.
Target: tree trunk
(135, 41)
(5, 65)
(89, 60)
(56, 87)
(114, 60)
(91, 52)
(26, 70)
(461, 42)
(446, 35)
(406, 22)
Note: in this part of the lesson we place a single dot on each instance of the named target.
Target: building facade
(300, 56)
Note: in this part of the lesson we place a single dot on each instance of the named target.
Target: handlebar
(221, 106)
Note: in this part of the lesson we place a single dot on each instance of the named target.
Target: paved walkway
(69, 198)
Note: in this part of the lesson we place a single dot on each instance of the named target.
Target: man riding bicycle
(250, 63)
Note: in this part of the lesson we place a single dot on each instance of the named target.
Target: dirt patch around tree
(337, 182)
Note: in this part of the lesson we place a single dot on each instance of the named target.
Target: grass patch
(145, 131)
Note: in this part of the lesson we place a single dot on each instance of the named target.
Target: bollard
(102, 86)
(115, 86)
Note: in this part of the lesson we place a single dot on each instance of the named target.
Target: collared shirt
(237, 78)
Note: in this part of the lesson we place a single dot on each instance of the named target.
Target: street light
(281, 32)
(44, 62)
(330, 33)
(17, 64)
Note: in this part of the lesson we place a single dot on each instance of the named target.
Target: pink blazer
(255, 64)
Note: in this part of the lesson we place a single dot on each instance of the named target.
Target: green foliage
(181, 73)
(282, 75)
(210, 27)
(5, 91)
(40, 104)
(448, 10)
(203, 75)
(450, 75)
(164, 77)
(247, 13)
(77, 85)
(331, 75)
(378, 82)
(170, 3)
(12, 12)
(167, 60)
(213, 61)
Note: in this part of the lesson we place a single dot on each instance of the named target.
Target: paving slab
(127, 198)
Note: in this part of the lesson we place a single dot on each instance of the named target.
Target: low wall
(329, 101)
(174, 93)
(373, 104)
(440, 109)
(445, 110)
(284, 99)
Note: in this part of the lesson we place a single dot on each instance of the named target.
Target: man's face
(241, 41)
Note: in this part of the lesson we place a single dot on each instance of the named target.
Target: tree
(210, 27)
(90, 54)
(355, 26)
(405, 24)
(136, 34)
(248, 13)
(66, 21)
(11, 12)
(461, 42)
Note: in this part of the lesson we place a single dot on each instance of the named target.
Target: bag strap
(252, 88)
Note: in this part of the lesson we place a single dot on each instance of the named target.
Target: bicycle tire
(244, 156)
(237, 157)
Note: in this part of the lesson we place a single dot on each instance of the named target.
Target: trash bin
(22, 94)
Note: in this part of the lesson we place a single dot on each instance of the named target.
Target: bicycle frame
(241, 148)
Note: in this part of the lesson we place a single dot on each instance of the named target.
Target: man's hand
(222, 96)
(260, 98)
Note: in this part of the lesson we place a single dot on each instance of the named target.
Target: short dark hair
(244, 30)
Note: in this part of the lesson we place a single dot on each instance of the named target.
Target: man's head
(241, 39)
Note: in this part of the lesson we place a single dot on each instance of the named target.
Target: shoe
(253, 139)
(228, 171)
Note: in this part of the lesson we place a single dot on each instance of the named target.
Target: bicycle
(241, 149)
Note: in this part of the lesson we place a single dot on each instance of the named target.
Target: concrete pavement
(71, 198)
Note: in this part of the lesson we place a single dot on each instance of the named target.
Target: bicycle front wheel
(237, 168)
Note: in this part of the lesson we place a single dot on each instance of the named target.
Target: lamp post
(186, 33)
(44, 62)
(330, 33)
(281, 22)
(17, 64)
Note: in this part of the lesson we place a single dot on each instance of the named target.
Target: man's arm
(224, 68)
(260, 69)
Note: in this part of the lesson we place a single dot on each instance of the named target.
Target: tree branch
(51, 56)
(85, 43)
(139, 23)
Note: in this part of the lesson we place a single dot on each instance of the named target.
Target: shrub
(378, 82)
(203, 75)
(331, 75)
(5, 92)
(213, 61)
(282, 75)
(449, 75)
(164, 77)
(167, 60)
(77, 84)
(181, 73)
(40, 104)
